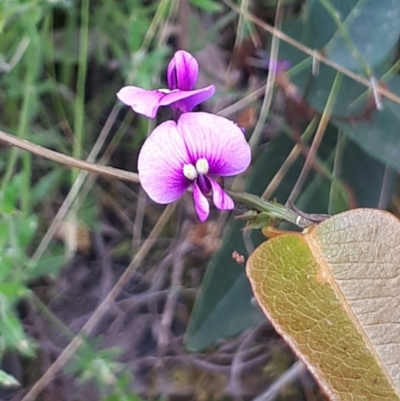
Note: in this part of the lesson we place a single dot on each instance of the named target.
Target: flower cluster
(192, 150)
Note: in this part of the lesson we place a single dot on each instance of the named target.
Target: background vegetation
(107, 296)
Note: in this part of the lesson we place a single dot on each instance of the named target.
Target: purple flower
(182, 74)
(189, 152)
(279, 65)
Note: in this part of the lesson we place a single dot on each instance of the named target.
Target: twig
(237, 364)
(104, 259)
(290, 375)
(168, 314)
(139, 216)
(68, 160)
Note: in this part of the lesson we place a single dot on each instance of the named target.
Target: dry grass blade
(317, 139)
(68, 160)
(270, 80)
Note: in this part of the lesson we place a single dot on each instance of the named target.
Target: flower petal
(194, 98)
(221, 199)
(278, 65)
(204, 184)
(200, 203)
(187, 100)
(160, 164)
(142, 101)
(216, 139)
(182, 71)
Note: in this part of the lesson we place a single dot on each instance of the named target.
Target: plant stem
(275, 210)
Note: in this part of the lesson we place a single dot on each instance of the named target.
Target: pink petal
(200, 203)
(204, 184)
(216, 139)
(182, 72)
(187, 100)
(221, 199)
(142, 101)
(160, 164)
(194, 98)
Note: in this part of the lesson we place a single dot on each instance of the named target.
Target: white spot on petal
(189, 171)
(202, 166)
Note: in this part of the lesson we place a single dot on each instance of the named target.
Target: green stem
(269, 87)
(29, 99)
(275, 210)
(80, 87)
(323, 123)
(337, 168)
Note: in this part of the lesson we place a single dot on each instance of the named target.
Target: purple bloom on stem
(189, 152)
(281, 66)
(278, 65)
(182, 74)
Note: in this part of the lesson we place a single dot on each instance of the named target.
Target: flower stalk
(276, 211)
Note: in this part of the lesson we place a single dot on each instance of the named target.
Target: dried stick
(176, 281)
(290, 375)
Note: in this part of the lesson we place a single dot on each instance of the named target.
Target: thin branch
(68, 160)
(290, 375)
(176, 283)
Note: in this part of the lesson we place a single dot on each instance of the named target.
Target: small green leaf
(46, 186)
(13, 290)
(210, 6)
(48, 265)
(8, 200)
(12, 333)
(7, 380)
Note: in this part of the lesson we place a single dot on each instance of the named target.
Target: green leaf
(12, 334)
(228, 316)
(8, 199)
(368, 183)
(376, 132)
(26, 229)
(210, 6)
(7, 380)
(353, 32)
(48, 264)
(13, 291)
(332, 293)
(46, 186)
